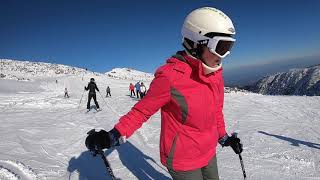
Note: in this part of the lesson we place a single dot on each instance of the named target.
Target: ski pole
(242, 167)
(114, 111)
(96, 149)
(102, 98)
(240, 157)
(106, 162)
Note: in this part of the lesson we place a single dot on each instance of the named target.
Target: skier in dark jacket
(66, 93)
(92, 87)
(108, 91)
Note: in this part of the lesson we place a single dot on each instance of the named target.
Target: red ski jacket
(191, 112)
(131, 87)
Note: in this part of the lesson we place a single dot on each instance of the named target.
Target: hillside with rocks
(305, 81)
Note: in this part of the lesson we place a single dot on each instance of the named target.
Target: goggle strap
(195, 45)
(187, 45)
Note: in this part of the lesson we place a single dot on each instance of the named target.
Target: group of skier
(140, 88)
(191, 125)
(92, 88)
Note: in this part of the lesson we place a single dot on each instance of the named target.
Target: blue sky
(101, 35)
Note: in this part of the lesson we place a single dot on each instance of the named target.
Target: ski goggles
(220, 45)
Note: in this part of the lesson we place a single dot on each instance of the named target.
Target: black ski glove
(232, 141)
(103, 139)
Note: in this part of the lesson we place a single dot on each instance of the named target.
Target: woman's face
(209, 58)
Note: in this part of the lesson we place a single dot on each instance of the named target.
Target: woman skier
(189, 90)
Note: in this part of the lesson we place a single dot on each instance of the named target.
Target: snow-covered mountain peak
(130, 74)
(305, 81)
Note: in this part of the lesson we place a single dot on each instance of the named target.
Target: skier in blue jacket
(137, 86)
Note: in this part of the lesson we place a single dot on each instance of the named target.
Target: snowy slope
(295, 82)
(42, 134)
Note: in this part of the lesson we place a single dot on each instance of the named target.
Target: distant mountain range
(304, 81)
(247, 74)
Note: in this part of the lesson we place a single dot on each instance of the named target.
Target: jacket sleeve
(96, 87)
(158, 95)
(219, 112)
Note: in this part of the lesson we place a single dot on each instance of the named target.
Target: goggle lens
(223, 47)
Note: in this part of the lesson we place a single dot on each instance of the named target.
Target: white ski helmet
(210, 27)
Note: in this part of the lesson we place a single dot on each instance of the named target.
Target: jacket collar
(185, 63)
(194, 63)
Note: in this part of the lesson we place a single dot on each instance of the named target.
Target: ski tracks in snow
(122, 100)
(15, 170)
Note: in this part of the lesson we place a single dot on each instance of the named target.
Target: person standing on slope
(143, 90)
(108, 91)
(66, 93)
(137, 86)
(92, 87)
(131, 89)
(189, 90)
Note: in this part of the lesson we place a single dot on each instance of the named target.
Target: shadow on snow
(93, 168)
(294, 142)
